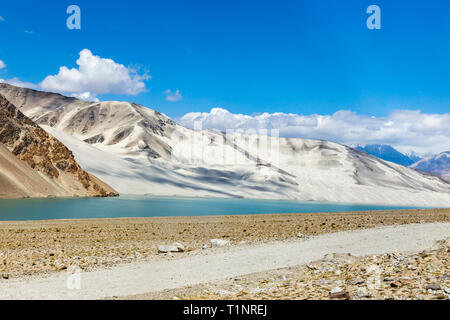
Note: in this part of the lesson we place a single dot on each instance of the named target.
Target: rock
(205, 247)
(447, 290)
(339, 293)
(405, 280)
(176, 247)
(215, 243)
(336, 290)
(433, 286)
(362, 293)
(355, 281)
(396, 284)
(5, 276)
(300, 235)
(179, 246)
(339, 258)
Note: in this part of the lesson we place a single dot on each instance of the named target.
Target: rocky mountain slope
(140, 151)
(437, 164)
(18, 180)
(53, 163)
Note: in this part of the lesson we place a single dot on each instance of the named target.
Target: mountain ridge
(140, 151)
(388, 153)
(46, 155)
(438, 164)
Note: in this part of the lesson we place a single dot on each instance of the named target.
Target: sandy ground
(221, 263)
(40, 247)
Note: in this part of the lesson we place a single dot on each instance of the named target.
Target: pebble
(362, 293)
(5, 276)
(215, 243)
(355, 281)
(176, 247)
(339, 293)
(433, 286)
(336, 290)
(300, 235)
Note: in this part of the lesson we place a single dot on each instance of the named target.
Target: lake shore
(40, 247)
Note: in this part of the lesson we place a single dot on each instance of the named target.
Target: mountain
(18, 180)
(437, 164)
(138, 150)
(43, 166)
(388, 153)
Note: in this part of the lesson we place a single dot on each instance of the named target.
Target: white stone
(176, 247)
(362, 293)
(218, 243)
(336, 290)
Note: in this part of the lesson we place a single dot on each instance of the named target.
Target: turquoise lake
(147, 206)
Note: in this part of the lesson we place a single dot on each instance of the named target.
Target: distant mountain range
(137, 150)
(388, 153)
(437, 164)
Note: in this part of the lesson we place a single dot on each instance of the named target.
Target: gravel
(221, 263)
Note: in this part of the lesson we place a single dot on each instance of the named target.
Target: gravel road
(221, 263)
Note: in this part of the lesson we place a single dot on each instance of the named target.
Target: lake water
(146, 206)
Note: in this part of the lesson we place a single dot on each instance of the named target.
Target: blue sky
(246, 56)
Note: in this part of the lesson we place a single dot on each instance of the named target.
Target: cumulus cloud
(96, 75)
(173, 96)
(406, 130)
(2, 64)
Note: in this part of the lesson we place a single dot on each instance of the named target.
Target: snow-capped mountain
(389, 153)
(137, 150)
(437, 164)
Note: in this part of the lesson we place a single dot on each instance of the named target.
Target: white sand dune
(137, 150)
(222, 263)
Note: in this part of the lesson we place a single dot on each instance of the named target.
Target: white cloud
(96, 75)
(87, 96)
(173, 96)
(2, 19)
(406, 130)
(2, 65)
(28, 31)
(18, 83)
